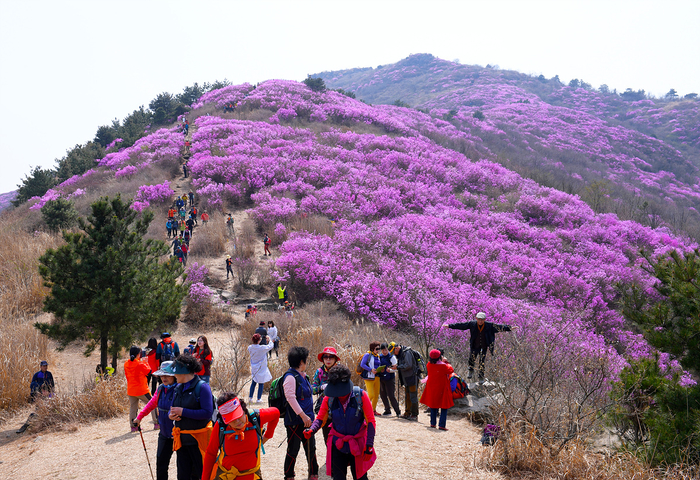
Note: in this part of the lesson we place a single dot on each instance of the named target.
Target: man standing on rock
(483, 337)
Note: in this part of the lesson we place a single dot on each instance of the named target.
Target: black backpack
(166, 352)
(357, 393)
(421, 369)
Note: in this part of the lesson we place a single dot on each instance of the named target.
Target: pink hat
(328, 351)
(231, 410)
(435, 354)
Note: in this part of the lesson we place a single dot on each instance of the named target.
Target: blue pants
(252, 389)
(443, 416)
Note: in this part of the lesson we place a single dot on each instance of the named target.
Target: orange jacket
(135, 372)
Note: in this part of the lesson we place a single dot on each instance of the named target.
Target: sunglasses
(377, 349)
(328, 357)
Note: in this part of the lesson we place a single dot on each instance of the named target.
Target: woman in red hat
(329, 357)
(237, 440)
(438, 394)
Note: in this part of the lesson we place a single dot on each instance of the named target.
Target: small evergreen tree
(108, 285)
(35, 185)
(479, 115)
(316, 84)
(59, 214)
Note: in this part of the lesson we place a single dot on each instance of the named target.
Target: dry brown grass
(520, 454)
(21, 296)
(209, 240)
(82, 404)
(231, 369)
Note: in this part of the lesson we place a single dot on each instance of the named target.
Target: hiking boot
(432, 426)
(406, 416)
(413, 418)
(444, 429)
(386, 412)
(377, 414)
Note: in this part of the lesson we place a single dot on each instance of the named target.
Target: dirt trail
(405, 450)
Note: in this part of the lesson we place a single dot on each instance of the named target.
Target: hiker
(161, 401)
(42, 382)
(153, 363)
(299, 414)
(248, 311)
(169, 227)
(370, 364)
(185, 250)
(387, 381)
(205, 217)
(177, 241)
(263, 332)
(189, 349)
(191, 195)
(408, 378)
(183, 213)
(184, 169)
(187, 236)
(190, 223)
(193, 406)
(274, 338)
(188, 144)
(482, 339)
(204, 355)
(135, 370)
(229, 266)
(266, 243)
(178, 201)
(288, 308)
(167, 349)
(229, 224)
(171, 213)
(437, 394)
(351, 441)
(329, 358)
(281, 293)
(258, 366)
(234, 450)
(179, 255)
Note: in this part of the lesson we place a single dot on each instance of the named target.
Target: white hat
(481, 315)
(161, 372)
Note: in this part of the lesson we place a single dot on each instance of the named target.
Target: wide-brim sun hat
(161, 372)
(176, 368)
(328, 351)
(339, 389)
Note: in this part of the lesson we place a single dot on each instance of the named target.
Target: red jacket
(437, 393)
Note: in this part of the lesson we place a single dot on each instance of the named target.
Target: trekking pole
(146, 451)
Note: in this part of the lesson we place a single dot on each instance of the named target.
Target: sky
(67, 67)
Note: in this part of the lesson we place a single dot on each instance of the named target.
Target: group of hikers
(225, 438)
(181, 229)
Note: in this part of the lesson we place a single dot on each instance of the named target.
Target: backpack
(421, 370)
(254, 419)
(276, 397)
(358, 369)
(167, 353)
(357, 393)
(459, 387)
(491, 433)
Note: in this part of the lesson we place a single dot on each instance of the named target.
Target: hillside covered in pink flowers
(623, 153)
(424, 225)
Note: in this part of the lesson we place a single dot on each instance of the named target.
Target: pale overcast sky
(68, 67)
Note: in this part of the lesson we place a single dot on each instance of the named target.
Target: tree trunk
(103, 350)
(114, 360)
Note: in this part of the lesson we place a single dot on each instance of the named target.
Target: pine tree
(109, 286)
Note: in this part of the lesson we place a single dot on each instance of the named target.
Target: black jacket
(489, 328)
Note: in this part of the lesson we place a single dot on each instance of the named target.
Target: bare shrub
(315, 224)
(519, 453)
(231, 369)
(210, 240)
(245, 241)
(245, 268)
(82, 404)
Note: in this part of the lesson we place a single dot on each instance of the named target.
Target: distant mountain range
(6, 199)
(622, 153)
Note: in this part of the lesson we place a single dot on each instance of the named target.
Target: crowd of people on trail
(225, 438)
